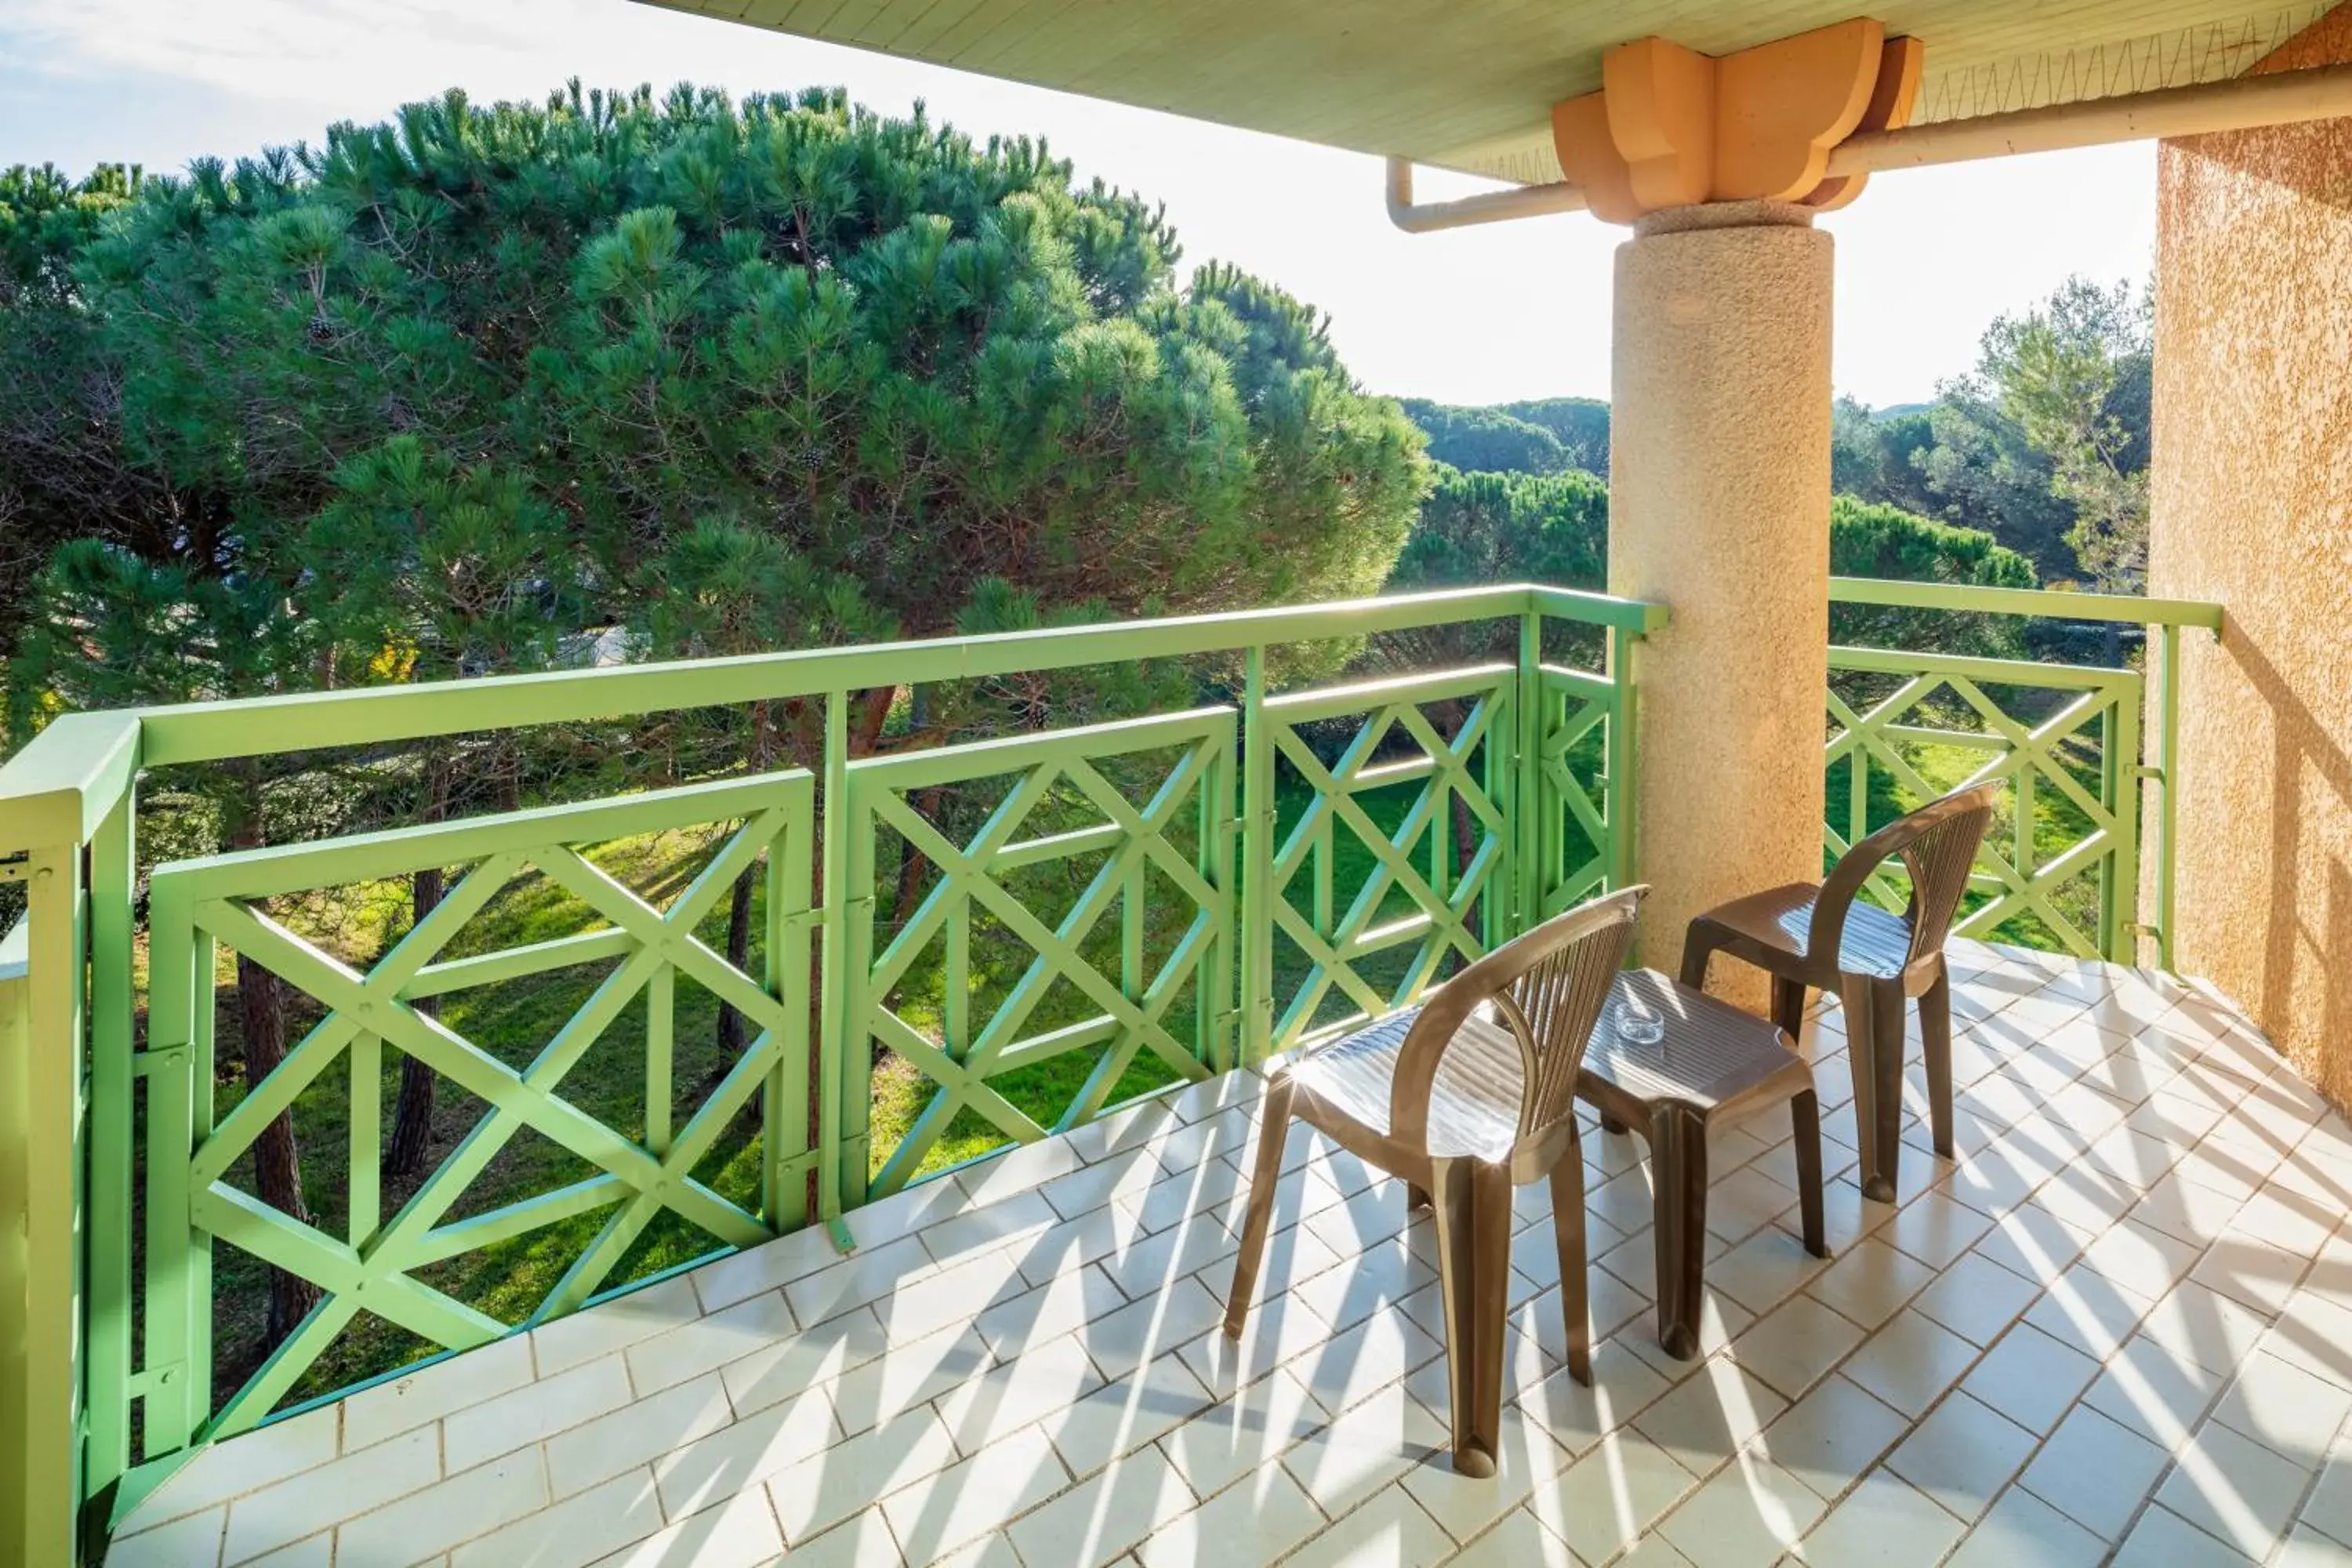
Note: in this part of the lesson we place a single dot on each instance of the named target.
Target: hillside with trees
(2042, 447)
(1543, 436)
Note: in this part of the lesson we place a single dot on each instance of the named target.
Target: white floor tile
(1747, 1516)
(1612, 1496)
(1882, 1520)
(2094, 1472)
(2120, 1324)
(2023, 1532)
(2234, 1490)
(1796, 1346)
(2163, 1539)
(1962, 1455)
(1831, 1436)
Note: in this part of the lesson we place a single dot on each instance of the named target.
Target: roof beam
(2243, 104)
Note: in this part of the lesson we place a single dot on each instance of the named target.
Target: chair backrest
(1938, 845)
(1546, 988)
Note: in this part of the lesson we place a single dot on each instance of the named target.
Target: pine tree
(420, 570)
(452, 393)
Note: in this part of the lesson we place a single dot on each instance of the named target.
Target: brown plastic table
(1715, 1064)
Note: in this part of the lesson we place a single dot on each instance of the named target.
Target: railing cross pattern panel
(2021, 880)
(1440, 911)
(1132, 839)
(371, 1272)
(1580, 713)
(1056, 949)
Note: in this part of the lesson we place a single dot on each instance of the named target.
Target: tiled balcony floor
(2121, 1324)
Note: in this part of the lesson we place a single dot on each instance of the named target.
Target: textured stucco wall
(2252, 507)
(1718, 507)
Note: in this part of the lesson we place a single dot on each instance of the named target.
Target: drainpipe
(2243, 104)
(1489, 207)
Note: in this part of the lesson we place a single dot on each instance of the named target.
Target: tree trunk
(739, 955)
(261, 1017)
(412, 1121)
(277, 1163)
(739, 900)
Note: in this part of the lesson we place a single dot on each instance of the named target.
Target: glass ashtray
(1639, 1024)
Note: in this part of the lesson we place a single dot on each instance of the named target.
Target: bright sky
(1925, 258)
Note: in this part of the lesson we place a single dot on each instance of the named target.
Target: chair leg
(1873, 1034)
(1274, 1131)
(1678, 1178)
(1698, 946)
(1936, 1047)
(1473, 1203)
(1788, 1006)
(1568, 1230)
(1805, 1119)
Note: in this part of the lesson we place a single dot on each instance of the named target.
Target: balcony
(929, 1268)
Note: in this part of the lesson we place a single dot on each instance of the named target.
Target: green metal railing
(1218, 885)
(2066, 739)
(1236, 833)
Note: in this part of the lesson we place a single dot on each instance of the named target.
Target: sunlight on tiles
(2117, 1324)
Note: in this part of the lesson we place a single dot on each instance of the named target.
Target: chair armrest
(1825, 937)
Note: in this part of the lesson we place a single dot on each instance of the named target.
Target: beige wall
(1719, 508)
(2252, 507)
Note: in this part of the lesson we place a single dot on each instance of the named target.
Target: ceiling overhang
(1470, 84)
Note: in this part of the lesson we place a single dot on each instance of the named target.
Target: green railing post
(112, 877)
(1257, 864)
(42, 1017)
(1527, 795)
(842, 1088)
(2120, 752)
(30, 1496)
(176, 1301)
(789, 1097)
(2168, 800)
(1217, 851)
(1618, 759)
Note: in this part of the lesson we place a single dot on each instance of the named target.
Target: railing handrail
(2054, 604)
(53, 788)
(2000, 671)
(209, 731)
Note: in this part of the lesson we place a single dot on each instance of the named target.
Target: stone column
(1719, 508)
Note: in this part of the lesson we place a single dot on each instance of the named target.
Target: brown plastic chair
(1820, 935)
(1465, 1097)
